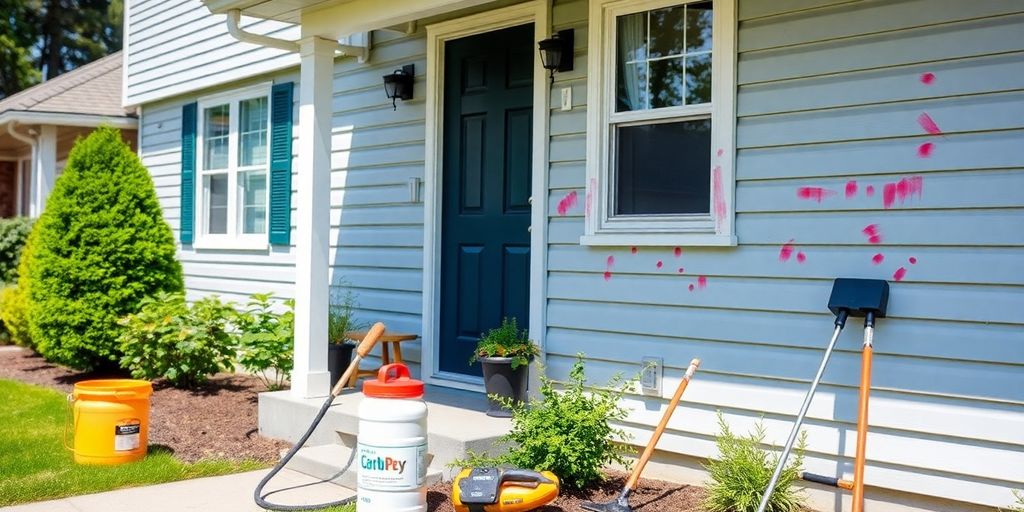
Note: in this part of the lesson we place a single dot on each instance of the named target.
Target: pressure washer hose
(362, 350)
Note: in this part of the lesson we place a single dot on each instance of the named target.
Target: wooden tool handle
(649, 450)
(364, 348)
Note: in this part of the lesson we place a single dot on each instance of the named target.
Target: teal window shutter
(281, 163)
(188, 172)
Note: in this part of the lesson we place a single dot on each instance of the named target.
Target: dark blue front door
(485, 209)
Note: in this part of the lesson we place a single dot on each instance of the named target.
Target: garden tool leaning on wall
(868, 298)
(621, 503)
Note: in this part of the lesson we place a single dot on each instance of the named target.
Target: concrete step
(456, 423)
(336, 464)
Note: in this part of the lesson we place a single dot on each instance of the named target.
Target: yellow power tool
(503, 490)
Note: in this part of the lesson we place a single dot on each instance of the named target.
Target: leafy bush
(742, 472)
(14, 327)
(184, 344)
(13, 235)
(266, 340)
(506, 341)
(567, 432)
(99, 248)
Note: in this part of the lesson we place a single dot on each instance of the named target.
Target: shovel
(621, 503)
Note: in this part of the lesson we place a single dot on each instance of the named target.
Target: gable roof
(93, 89)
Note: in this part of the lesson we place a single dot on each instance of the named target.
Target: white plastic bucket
(392, 450)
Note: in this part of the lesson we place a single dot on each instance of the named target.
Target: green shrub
(506, 341)
(13, 235)
(99, 248)
(180, 342)
(266, 340)
(12, 315)
(567, 432)
(1019, 506)
(341, 318)
(742, 472)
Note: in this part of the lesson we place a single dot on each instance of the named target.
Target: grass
(36, 466)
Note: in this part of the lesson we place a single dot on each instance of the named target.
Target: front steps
(456, 424)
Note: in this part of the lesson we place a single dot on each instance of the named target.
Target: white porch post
(44, 168)
(309, 377)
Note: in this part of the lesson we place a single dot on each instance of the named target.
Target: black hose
(258, 495)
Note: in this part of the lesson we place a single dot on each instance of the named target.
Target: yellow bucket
(111, 420)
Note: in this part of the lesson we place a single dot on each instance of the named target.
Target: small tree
(99, 248)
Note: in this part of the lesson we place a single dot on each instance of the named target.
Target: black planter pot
(501, 380)
(339, 355)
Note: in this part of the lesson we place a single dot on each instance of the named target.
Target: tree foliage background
(44, 38)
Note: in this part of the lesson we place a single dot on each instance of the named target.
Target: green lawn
(35, 466)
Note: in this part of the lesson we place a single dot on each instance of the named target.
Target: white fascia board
(67, 119)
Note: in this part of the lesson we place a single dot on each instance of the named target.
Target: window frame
(234, 238)
(602, 227)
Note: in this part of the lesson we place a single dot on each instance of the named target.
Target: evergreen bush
(13, 324)
(13, 235)
(100, 247)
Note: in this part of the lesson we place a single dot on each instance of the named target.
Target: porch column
(44, 168)
(313, 200)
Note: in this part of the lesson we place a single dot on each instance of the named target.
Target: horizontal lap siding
(830, 92)
(179, 46)
(233, 275)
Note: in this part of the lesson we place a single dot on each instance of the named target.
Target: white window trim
(233, 239)
(601, 229)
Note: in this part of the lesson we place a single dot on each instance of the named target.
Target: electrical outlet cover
(650, 376)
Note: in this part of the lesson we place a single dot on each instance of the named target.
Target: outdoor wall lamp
(556, 52)
(398, 85)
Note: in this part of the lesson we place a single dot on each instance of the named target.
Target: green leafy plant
(182, 343)
(100, 247)
(13, 236)
(568, 432)
(341, 318)
(266, 340)
(506, 341)
(13, 324)
(743, 469)
(1019, 505)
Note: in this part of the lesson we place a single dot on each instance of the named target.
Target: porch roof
(90, 90)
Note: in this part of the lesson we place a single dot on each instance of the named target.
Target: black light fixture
(398, 85)
(556, 53)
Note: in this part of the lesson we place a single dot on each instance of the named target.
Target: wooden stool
(389, 338)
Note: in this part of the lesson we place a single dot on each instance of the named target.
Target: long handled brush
(621, 503)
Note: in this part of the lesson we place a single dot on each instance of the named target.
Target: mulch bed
(650, 496)
(217, 420)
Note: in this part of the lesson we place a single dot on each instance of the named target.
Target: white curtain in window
(631, 40)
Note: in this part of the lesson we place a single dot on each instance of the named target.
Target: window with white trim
(661, 122)
(231, 183)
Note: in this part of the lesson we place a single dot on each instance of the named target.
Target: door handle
(529, 229)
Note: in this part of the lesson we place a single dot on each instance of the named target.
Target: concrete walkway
(229, 493)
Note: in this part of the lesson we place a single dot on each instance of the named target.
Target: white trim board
(537, 12)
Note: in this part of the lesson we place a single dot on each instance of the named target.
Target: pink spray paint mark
(590, 198)
(928, 124)
(720, 152)
(899, 274)
(677, 252)
(851, 188)
(786, 251)
(870, 190)
(902, 190)
(681, 270)
(719, 195)
(912, 260)
(877, 259)
(814, 193)
(925, 150)
(801, 257)
(702, 282)
(610, 262)
(607, 275)
(927, 78)
(634, 250)
(873, 233)
(659, 264)
(567, 203)
(690, 287)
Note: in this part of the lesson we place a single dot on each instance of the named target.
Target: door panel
(486, 184)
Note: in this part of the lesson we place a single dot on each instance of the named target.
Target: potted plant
(339, 349)
(505, 354)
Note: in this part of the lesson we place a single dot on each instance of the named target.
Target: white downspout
(234, 20)
(33, 155)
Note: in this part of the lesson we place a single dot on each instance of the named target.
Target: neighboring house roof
(90, 91)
